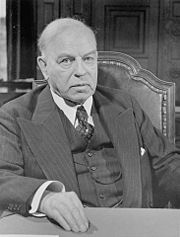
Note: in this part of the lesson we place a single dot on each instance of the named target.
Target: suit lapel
(48, 142)
(121, 129)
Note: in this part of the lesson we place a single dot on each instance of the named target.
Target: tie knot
(81, 114)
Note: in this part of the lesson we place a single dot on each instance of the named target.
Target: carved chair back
(156, 97)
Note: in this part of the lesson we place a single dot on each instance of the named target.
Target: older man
(72, 143)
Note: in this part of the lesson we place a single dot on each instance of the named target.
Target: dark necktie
(83, 127)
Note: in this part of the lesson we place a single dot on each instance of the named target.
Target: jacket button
(90, 154)
(93, 168)
(101, 196)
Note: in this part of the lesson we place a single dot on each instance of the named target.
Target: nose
(79, 67)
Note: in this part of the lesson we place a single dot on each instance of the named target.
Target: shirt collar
(70, 111)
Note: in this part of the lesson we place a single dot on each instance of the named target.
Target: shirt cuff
(54, 186)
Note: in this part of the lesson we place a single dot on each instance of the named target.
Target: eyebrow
(71, 56)
(91, 52)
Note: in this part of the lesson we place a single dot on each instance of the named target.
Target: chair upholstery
(156, 97)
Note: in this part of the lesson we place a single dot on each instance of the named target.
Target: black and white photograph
(90, 118)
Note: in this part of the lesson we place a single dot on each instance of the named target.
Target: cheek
(61, 80)
(93, 69)
(93, 73)
(56, 73)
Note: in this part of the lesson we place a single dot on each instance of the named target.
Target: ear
(43, 66)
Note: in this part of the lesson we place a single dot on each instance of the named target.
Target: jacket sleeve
(16, 190)
(164, 157)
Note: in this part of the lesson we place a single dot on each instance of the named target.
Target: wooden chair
(156, 97)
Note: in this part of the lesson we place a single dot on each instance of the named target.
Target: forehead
(72, 41)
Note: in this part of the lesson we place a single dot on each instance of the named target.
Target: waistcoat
(97, 168)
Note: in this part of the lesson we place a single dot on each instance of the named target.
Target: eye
(65, 61)
(89, 59)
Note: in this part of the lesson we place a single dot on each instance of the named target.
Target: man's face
(71, 65)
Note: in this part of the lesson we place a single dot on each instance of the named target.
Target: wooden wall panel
(21, 37)
(130, 27)
(125, 29)
(83, 10)
(47, 10)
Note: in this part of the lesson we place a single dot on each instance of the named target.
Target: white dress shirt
(70, 111)
(56, 186)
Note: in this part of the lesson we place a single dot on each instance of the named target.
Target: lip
(80, 85)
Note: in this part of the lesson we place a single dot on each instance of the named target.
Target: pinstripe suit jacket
(34, 148)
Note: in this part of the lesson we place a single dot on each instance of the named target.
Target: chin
(80, 95)
(81, 100)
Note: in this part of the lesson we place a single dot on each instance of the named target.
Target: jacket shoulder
(24, 105)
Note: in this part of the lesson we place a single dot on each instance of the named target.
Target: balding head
(59, 27)
(69, 59)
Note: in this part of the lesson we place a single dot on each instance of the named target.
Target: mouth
(80, 85)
